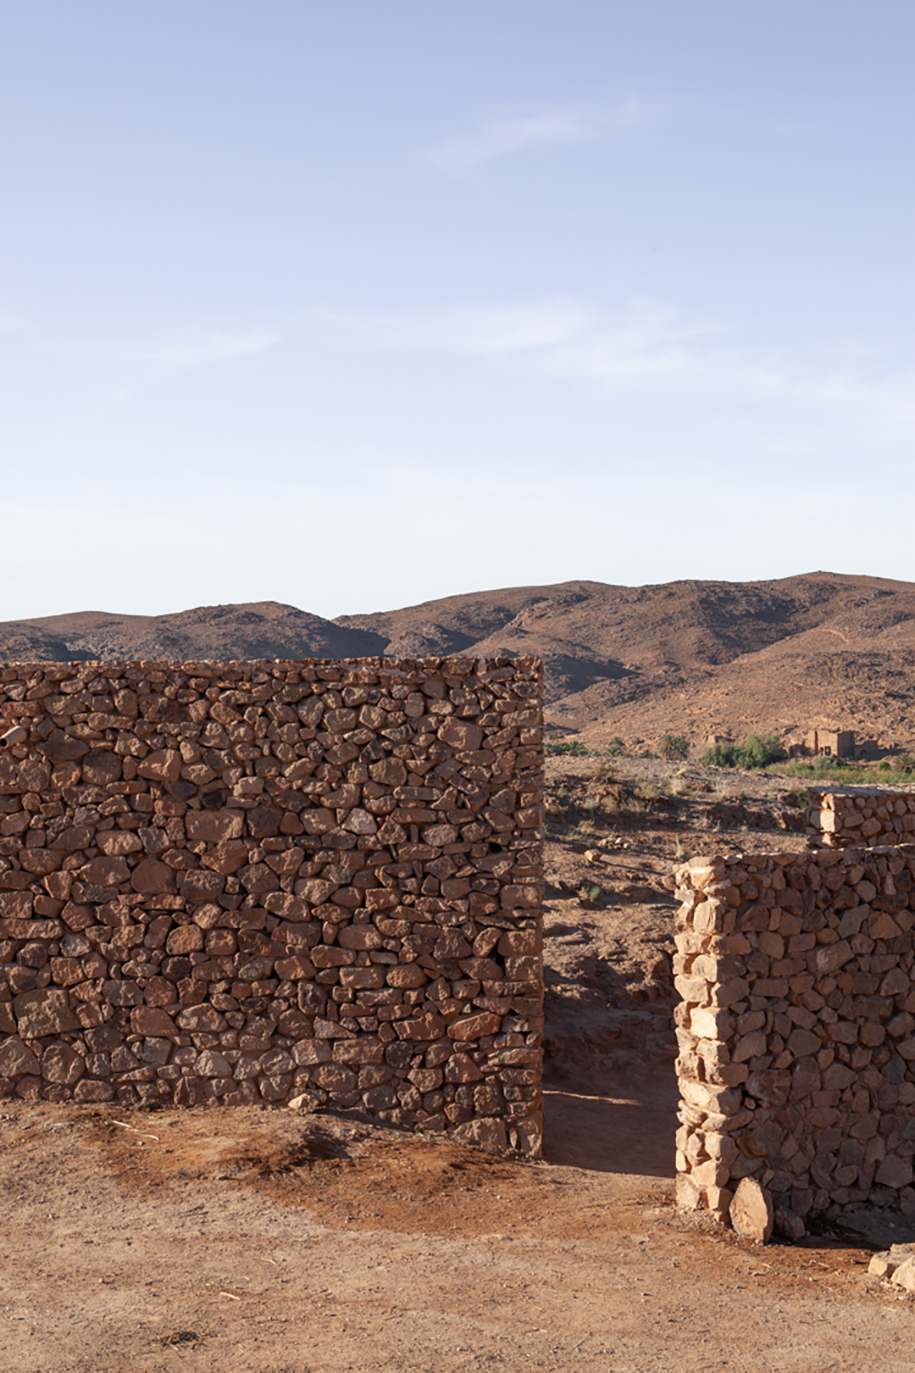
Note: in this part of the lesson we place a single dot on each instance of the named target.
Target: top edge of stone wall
(898, 789)
(457, 665)
(792, 858)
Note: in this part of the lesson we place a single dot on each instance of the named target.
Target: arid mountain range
(694, 658)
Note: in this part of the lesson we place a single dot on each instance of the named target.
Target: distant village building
(830, 743)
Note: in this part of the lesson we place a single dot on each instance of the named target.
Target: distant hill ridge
(693, 657)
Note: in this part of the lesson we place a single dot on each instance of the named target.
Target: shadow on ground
(627, 1126)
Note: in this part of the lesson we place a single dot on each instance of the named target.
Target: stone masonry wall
(797, 1028)
(249, 882)
(868, 815)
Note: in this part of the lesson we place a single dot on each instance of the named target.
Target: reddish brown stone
(323, 957)
(201, 1017)
(185, 939)
(101, 767)
(91, 1090)
(150, 1020)
(164, 766)
(152, 876)
(44, 1012)
(214, 826)
(461, 735)
(105, 872)
(227, 858)
(428, 1026)
(201, 885)
(116, 843)
(17, 1060)
(461, 1068)
(521, 941)
(60, 1064)
(473, 1026)
(406, 975)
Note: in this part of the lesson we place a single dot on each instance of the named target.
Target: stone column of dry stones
(797, 1029)
(868, 816)
(261, 881)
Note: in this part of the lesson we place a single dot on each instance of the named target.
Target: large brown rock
(17, 1059)
(100, 767)
(116, 843)
(461, 735)
(473, 1026)
(151, 877)
(752, 1213)
(214, 826)
(488, 1134)
(105, 872)
(202, 884)
(62, 1065)
(44, 1012)
(151, 1020)
(164, 766)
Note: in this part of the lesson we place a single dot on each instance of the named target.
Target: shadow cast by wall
(628, 1127)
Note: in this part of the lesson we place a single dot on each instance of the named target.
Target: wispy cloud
(550, 126)
(207, 346)
(647, 348)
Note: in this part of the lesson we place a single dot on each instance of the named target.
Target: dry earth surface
(261, 1240)
(693, 658)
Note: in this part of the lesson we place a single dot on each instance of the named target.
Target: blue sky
(354, 305)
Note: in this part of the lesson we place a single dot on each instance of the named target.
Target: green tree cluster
(758, 752)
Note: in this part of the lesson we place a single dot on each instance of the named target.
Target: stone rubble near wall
(896, 1264)
(797, 1029)
(251, 882)
(868, 816)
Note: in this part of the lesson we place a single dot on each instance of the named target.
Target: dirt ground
(261, 1240)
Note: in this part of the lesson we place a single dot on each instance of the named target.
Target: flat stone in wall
(255, 882)
(797, 1028)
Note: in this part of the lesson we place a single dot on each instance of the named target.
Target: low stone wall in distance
(797, 1028)
(251, 882)
(863, 815)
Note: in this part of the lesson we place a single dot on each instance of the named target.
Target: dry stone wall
(255, 882)
(866, 815)
(797, 1029)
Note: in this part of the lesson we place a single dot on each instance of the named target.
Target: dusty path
(255, 1240)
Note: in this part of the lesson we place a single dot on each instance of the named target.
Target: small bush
(722, 756)
(616, 748)
(674, 748)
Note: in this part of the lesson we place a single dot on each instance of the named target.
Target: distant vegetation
(570, 748)
(888, 774)
(574, 749)
(759, 751)
(674, 748)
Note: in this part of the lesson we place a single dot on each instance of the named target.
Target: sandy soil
(260, 1240)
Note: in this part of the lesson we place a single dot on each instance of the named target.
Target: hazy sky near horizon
(352, 305)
